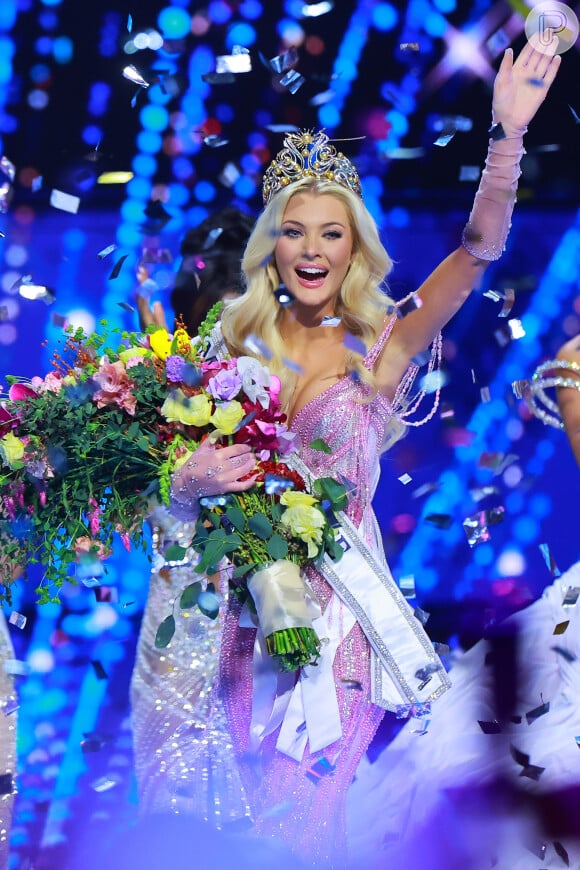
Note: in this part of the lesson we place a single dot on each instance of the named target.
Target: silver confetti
(131, 73)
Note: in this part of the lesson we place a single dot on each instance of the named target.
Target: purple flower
(225, 385)
(174, 368)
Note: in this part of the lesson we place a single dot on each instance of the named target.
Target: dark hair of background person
(211, 267)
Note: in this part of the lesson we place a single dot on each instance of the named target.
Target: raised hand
(521, 86)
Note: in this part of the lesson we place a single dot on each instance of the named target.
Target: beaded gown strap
(405, 403)
(378, 347)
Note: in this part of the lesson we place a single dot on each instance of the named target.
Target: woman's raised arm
(520, 88)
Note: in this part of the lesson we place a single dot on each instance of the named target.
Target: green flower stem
(294, 647)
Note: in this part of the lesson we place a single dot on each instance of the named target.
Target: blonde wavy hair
(362, 301)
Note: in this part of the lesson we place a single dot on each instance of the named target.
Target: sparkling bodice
(355, 426)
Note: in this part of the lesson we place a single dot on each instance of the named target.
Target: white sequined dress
(183, 755)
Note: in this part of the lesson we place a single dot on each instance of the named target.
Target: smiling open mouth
(312, 274)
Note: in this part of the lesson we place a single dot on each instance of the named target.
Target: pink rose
(51, 383)
(115, 387)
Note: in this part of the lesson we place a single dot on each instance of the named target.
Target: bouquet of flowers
(86, 449)
(268, 534)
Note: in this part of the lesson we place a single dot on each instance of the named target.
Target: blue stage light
(204, 191)
(250, 163)
(399, 217)
(92, 135)
(149, 142)
(139, 188)
(244, 187)
(98, 98)
(525, 529)
(174, 23)
(8, 12)
(219, 12)
(435, 24)
(384, 16)
(240, 33)
(154, 118)
(225, 113)
(398, 121)
(43, 45)
(128, 234)
(196, 215)
(251, 9)
(483, 554)
(144, 165)
(540, 504)
(178, 195)
(182, 168)
(62, 49)
(329, 116)
(39, 73)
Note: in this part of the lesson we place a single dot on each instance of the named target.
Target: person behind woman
(316, 246)
(210, 271)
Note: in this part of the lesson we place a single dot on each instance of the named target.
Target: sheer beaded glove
(209, 471)
(519, 90)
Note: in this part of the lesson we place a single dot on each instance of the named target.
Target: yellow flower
(227, 416)
(132, 352)
(307, 524)
(12, 449)
(190, 410)
(181, 343)
(291, 498)
(160, 342)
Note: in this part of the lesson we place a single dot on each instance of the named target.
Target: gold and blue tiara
(308, 155)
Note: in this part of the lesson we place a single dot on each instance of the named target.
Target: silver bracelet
(534, 391)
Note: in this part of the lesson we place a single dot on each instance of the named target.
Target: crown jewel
(308, 155)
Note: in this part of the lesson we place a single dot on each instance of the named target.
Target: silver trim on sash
(399, 655)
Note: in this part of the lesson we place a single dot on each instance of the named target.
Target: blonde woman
(315, 267)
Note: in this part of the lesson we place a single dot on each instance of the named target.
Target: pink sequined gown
(285, 802)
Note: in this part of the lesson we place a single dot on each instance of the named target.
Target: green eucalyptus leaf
(175, 553)
(328, 488)
(241, 571)
(277, 547)
(276, 511)
(261, 526)
(165, 632)
(190, 595)
(237, 518)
